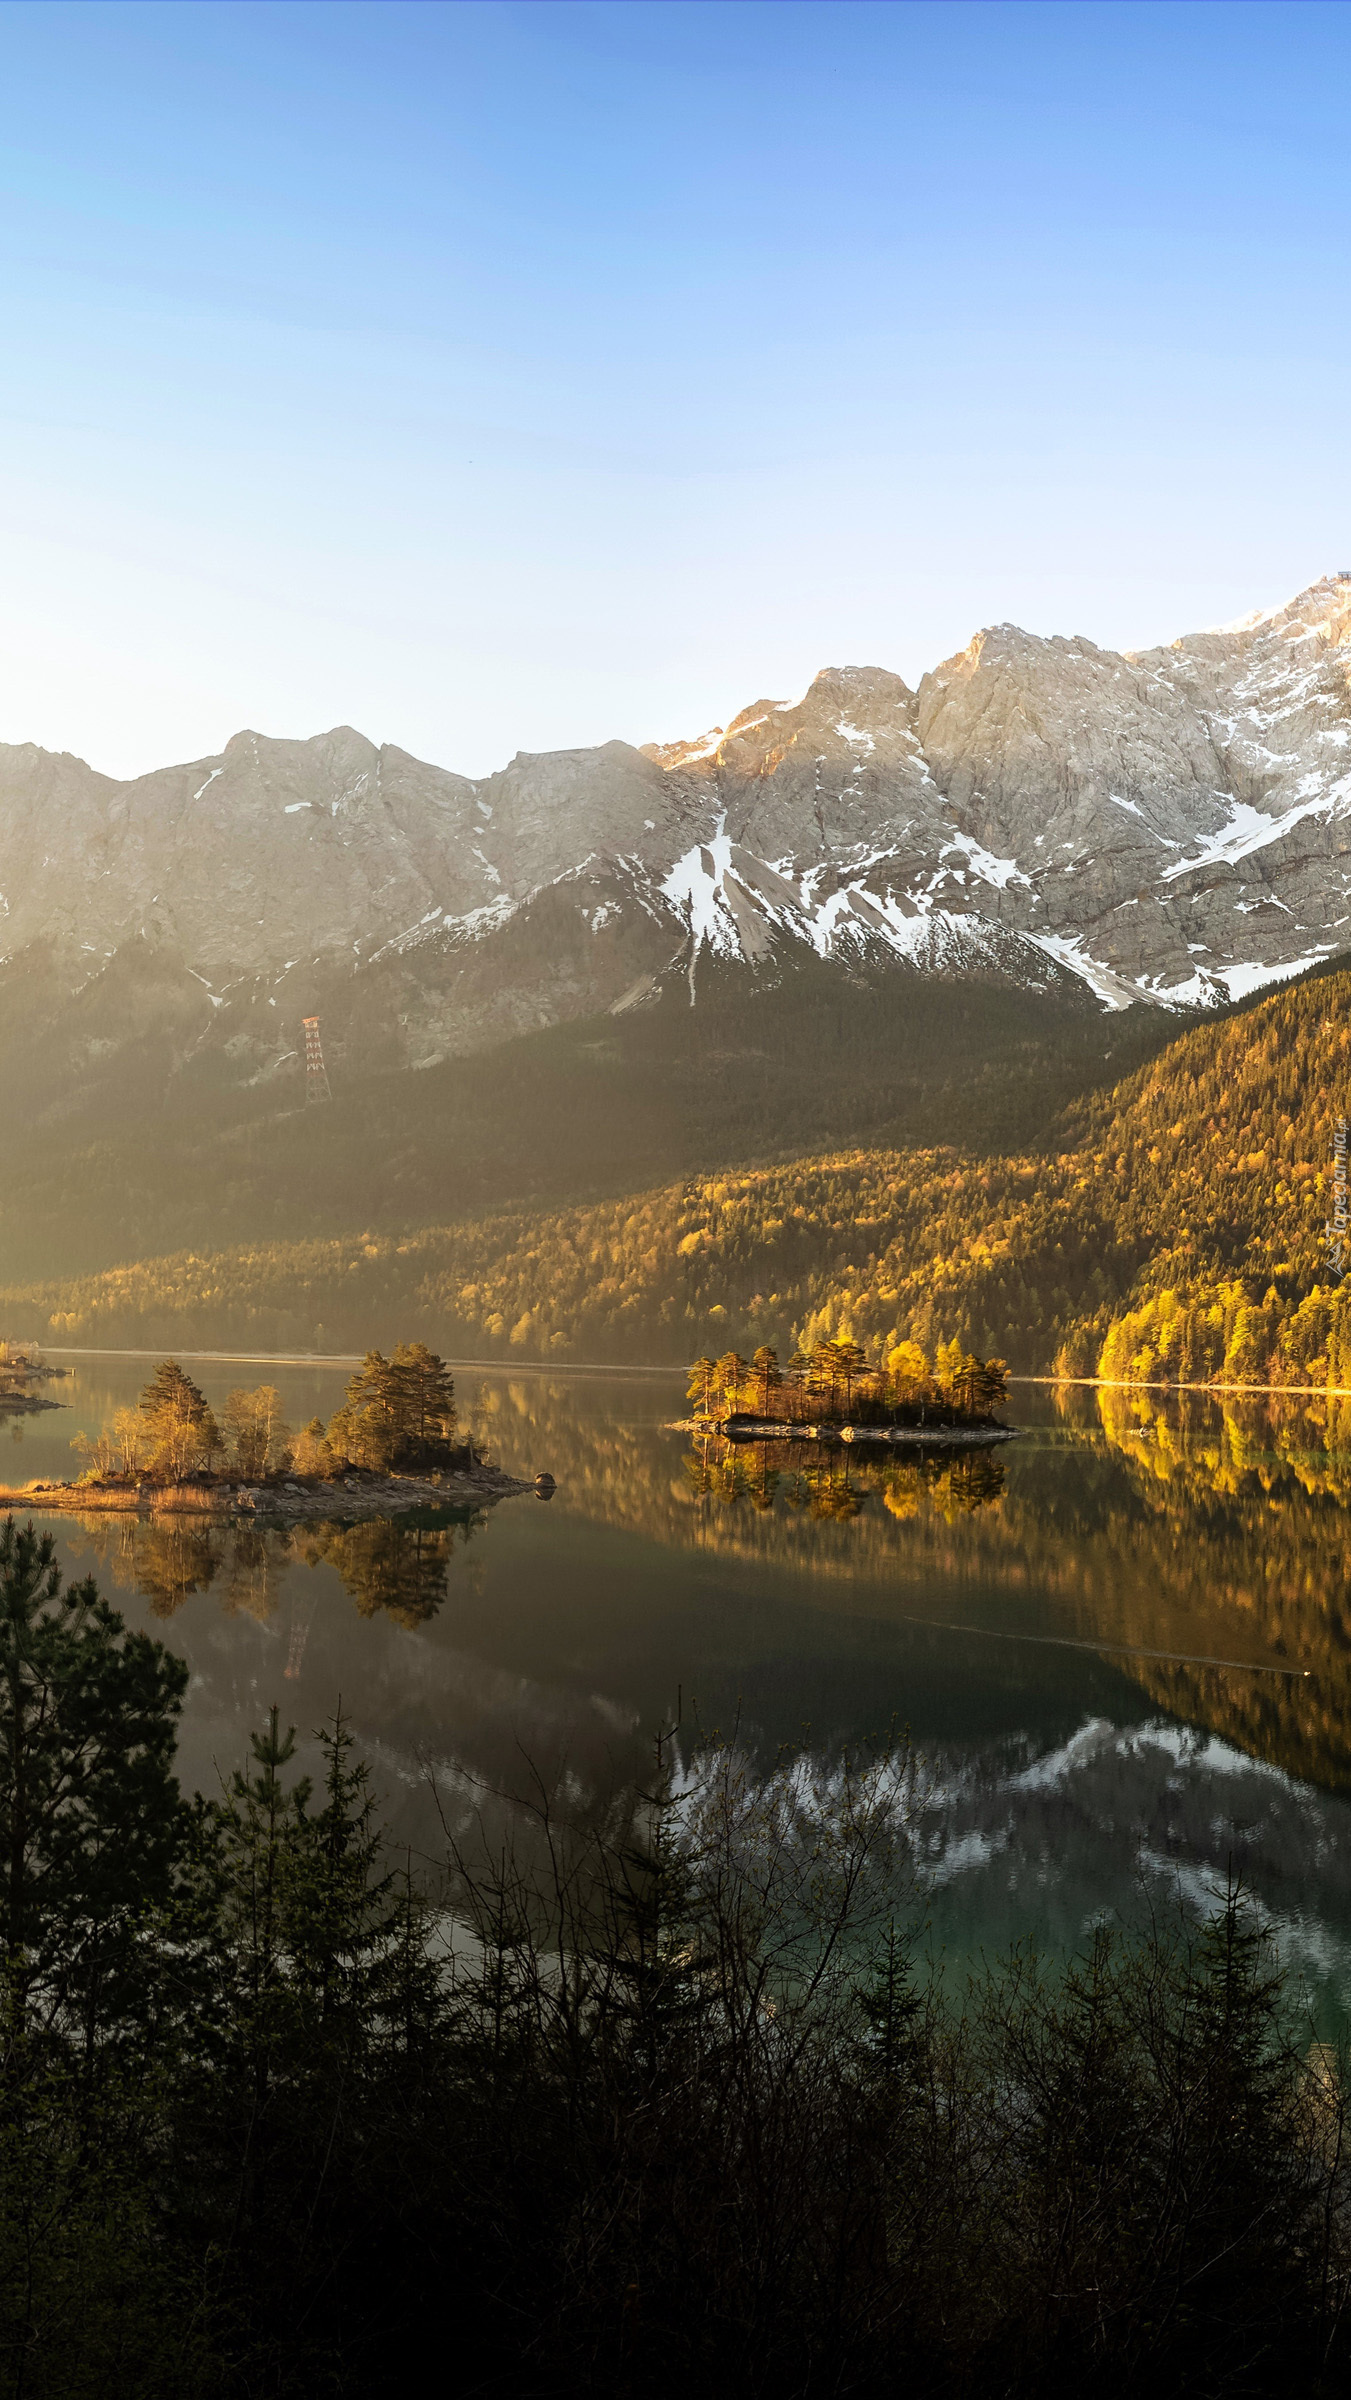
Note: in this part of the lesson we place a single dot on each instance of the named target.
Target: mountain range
(901, 915)
(1172, 825)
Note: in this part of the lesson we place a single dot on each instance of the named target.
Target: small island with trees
(834, 1393)
(22, 1373)
(394, 1443)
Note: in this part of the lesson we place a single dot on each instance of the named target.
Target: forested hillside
(1174, 1225)
(142, 1144)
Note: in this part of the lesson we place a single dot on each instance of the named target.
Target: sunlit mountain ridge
(871, 914)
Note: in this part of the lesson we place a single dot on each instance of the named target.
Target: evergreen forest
(1172, 1227)
(135, 1145)
(653, 2100)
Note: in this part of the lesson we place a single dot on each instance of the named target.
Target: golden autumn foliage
(1172, 1227)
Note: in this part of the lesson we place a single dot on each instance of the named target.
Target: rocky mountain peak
(1171, 824)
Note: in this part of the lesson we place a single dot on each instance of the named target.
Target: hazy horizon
(519, 377)
(782, 698)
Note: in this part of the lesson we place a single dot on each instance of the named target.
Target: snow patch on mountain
(998, 871)
(1172, 826)
(695, 886)
(1246, 829)
(1069, 952)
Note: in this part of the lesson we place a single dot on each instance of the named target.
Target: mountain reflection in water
(1121, 1647)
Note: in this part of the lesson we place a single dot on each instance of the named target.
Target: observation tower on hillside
(316, 1073)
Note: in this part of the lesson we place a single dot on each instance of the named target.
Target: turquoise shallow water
(1123, 1660)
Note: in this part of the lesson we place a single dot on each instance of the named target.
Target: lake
(1121, 1650)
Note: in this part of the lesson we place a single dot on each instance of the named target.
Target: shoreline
(1122, 1383)
(354, 1358)
(892, 1437)
(370, 1496)
(583, 1366)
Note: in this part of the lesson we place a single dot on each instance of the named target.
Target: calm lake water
(1122, 1651)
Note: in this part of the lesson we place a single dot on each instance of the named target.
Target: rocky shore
(289, 1499)
(18, 1376)
(897, 1437)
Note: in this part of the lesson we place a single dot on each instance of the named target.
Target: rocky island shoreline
(833, 1393)
(357, 1494)
(20, 1371)
(907, 1437)
(393, 1445)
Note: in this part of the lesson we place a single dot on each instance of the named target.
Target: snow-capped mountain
(1173, 825)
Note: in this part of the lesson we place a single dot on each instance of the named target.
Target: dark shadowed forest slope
(1175, 1222)
(143, 1143)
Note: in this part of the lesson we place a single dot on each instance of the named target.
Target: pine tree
(850, 1362)
(654, 1991)
(963, 1381)
(320, 1971)
(835, 1368)
(90, 1814)
(891, 2011)
(366, 1429)
(244, 1863)
(339, 1911)
(180, 1428)
(768, 1375)
(1237, 2185)
(424, 1393)
(260, 1821)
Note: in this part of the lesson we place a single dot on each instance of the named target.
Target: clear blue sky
(509, 376)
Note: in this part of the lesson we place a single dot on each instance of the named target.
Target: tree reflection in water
(166, 1559)
(832, 1486)
(384, 1563)
(391, 1565)
(257, 1558)
(1171, 1530)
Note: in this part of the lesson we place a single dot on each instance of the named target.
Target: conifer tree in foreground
(90, 1814)
(639, 2100)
